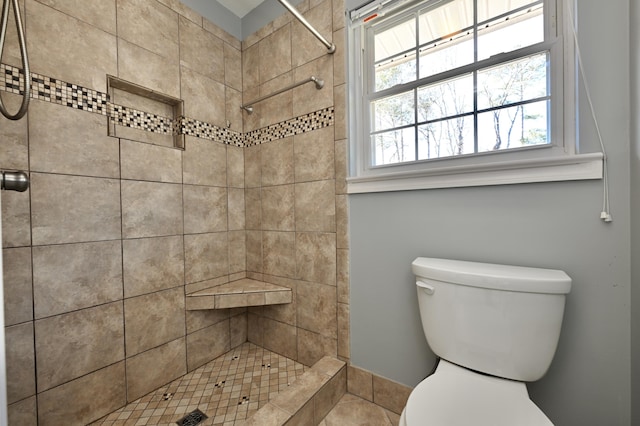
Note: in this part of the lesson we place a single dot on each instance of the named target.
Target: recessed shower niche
(144, 115)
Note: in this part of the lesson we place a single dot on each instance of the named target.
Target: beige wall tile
(252, 166)
(255, 329)
(316, 257)
(317, 308)
(204, 162)
(206, 256)
(21, 364)
(343, 275)
(307, 98)
(250, 67)
(238, 329)
(308, 47)
(18, 290)
(197, 320)
(232, 66)
(204, 98)
(201, 51)
(341, 156)
(220, 33)
(152, 369)
(236, 209)
(67, 209)
(279, 253)
(277, 162)
(342, 222)
(65, 140)
(152, 264)
(207, 344)
(148, 69)
(253, 208)
(153, 319)
(235, 167)
(330, 394)
(344, 347)
(99, 13)
(389, 394)
(151, 209)
(205, 209)
(285, 312)
(340, 55)
(16, 218)
(11, 53)
(95, 334)
(149, 24)
(360, 382)
(340, 114)
(184, 10)
(72, 404)
(143, 161)
(315, 207)
(278, 208)
(237, 252)
(233, 113)
(254, 251)
(75, 42)
(313, 346)
(314, 155)
(69, 277)
(339, 13)
(280, 338)
(24, 413)
(275, 108)
(275, 54)
(14, 151)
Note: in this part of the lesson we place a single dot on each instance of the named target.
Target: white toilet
(494, 328)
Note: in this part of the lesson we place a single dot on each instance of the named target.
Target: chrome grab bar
(14, 181)
(318, 82)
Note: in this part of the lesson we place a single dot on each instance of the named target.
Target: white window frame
(558, 161)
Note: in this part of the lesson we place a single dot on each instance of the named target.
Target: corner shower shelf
(244, 292)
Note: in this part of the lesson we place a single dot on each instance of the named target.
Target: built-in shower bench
(236, 294)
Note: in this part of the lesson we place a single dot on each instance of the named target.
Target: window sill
(552, 169)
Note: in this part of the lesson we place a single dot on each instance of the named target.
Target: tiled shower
(116, 230)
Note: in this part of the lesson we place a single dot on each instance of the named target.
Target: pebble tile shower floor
(227, 390)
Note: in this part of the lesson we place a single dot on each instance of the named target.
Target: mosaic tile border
(56, 91)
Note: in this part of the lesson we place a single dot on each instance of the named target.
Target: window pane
(488, 9)
(512, 82)
(396, 39)
(446, 37)
(395, 71)
(446, 99)
(393, 111)
(510, 33)
(394, 147)
(446, 138)
(513, 127)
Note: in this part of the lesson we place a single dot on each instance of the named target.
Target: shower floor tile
(227, 390)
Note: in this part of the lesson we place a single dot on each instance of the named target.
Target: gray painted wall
(218, 14)
(635, 208)
(554, 225)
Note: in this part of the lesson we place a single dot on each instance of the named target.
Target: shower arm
(330, 46)
(318, 82)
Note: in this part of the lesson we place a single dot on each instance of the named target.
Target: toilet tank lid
(492, 276)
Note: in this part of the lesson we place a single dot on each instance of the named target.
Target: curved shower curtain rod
(330, 46)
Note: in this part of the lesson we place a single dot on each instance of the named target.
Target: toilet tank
(497, 319)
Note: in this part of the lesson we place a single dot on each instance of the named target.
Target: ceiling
(240, 7)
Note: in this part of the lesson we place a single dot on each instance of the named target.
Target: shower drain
(192, 419)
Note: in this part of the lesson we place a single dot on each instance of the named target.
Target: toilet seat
(456, 396)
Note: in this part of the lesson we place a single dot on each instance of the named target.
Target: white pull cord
(605, 215)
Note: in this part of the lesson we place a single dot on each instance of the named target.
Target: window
(461, 92)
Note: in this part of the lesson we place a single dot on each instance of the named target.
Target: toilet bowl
(494, 327)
